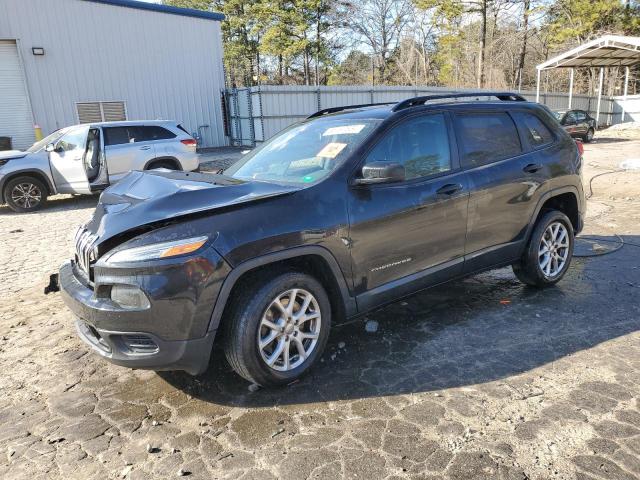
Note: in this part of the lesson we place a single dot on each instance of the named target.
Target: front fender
(244, 267)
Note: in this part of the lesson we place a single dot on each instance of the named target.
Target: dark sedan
(577, 123)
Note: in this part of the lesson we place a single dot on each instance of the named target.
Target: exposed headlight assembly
(157, 250)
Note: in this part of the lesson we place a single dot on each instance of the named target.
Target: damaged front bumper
(170, 333)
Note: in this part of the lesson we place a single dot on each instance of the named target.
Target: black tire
(168, 164)
(14, 194)
(588, 137)
(242, 327)
(528, 269)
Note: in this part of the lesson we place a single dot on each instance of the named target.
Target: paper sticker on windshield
(331, 150)
(343, 130)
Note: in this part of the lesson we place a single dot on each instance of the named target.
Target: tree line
(454, 43)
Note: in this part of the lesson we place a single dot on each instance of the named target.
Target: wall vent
(93, 112)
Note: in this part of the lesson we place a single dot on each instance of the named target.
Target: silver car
(87, 158)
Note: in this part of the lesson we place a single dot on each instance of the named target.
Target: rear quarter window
(486, 138)
(183, 129)
(535, 131)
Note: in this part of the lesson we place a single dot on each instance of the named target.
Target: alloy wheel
(554, 249)
(289, 329)
(26, 195)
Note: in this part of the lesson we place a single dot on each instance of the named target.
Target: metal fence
(255, 114)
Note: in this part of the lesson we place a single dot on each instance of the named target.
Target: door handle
(146, 147)
(532, 168)
(449, 189)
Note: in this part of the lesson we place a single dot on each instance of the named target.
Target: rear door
(582, 125)
(570, 123)
(126, 148)
(504, 182)
(163, 140)
(67, 161)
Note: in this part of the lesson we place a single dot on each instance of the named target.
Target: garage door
(16, 120)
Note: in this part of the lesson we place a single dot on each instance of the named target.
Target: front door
(407, 235)
(67, 161)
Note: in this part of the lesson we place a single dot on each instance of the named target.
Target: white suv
(88, 158)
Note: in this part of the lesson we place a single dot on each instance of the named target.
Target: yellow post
(38, 132)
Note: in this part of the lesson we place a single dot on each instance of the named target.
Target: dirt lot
(479, 379)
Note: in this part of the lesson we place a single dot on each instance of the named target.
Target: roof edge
(603, 41)
(155, 7)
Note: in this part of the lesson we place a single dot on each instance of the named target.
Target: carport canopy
(603, 52)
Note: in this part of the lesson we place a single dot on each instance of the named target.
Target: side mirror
(381, 172)
(49, 147)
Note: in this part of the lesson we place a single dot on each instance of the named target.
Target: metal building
(64, 62)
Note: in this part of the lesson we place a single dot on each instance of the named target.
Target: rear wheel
(588, 136)
(549, 251)
(278, 328)
(25, 194)
(168, 164)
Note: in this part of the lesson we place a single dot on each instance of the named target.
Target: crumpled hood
(12, 154)
(142, 198)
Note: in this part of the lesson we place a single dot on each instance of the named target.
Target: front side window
(305, 152)
(537, 133)
(486, 137)
(74, 139)
(420, 144)
(51, 138)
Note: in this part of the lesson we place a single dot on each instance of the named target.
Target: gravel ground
(479, 379)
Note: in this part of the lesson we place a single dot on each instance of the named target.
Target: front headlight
(157, 250)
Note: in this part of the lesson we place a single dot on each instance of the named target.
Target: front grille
(85, 255)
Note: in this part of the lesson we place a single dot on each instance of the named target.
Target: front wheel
(277, 328)
(25, 194)
(548, 254)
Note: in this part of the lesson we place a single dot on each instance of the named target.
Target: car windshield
(558, 115)
(36, 147)
(305, 152)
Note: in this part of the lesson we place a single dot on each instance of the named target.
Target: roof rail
(327, 111)
(412, 102)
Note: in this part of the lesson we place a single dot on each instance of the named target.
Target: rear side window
(537, 132)
(486, 137)
(420, 144)
(115, 136)
(150, 133)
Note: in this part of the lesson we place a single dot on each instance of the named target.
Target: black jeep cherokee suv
(351, 209)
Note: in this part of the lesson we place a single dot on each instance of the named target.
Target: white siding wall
(163, 66)
(16, 121)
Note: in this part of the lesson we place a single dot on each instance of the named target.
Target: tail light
(580, 147)
(190, 142)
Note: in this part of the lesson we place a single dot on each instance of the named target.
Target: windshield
(46, 140)
(558, 115)
(304, 153)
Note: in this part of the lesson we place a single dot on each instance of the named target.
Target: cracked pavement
(477, 379)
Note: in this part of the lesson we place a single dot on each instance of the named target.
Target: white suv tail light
(190, 143)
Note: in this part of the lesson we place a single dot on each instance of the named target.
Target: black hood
(143, 198)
